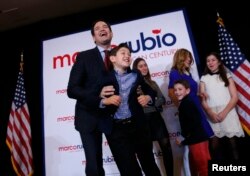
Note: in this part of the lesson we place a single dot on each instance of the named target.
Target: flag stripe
(243, 92)
(23, 136)
(242, 78)
(244, 119)
(246, 66)
(18, 137)
(18, 156)
(245, 123)
(19, 143)
(243, 106)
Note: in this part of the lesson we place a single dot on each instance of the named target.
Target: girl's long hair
(222, 70)
(147, 77)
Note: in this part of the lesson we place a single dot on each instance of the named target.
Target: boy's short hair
(183, 82)
(114, 50)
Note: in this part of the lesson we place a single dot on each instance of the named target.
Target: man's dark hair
(94, 23)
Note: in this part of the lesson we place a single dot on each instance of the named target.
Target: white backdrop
(156, 39)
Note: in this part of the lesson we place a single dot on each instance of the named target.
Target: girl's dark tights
(224, 148)
(167, 155)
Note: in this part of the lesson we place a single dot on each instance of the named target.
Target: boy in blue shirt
(129, 137)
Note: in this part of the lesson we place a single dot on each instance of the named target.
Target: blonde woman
(180, 70)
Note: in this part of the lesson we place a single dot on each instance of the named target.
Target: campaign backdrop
(154, 38)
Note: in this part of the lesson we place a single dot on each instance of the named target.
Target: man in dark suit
(82, 86)
(129, 137)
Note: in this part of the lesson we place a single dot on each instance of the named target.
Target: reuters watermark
(228, 168)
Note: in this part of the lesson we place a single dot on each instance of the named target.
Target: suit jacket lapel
(100, 59)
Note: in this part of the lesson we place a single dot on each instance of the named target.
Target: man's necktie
(106, 59)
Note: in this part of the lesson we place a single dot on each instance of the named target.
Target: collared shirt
(102, 51)
(125, 81)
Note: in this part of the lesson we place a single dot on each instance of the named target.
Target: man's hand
(178, 141)
(143, 100)
(113, 100)
(107, 91)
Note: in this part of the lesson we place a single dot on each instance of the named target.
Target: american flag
(236, 62)
(18, 132)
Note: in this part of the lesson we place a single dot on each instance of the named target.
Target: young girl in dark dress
(157, 125)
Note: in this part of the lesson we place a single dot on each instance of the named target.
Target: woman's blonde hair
(179, 59)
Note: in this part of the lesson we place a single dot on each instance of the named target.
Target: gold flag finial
(21, 63)
(219, 20)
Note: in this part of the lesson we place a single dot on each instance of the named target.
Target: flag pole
(219, 20)
(218, 15)
(21, 63)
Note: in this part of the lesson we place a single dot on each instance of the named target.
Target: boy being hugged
(129, 135)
